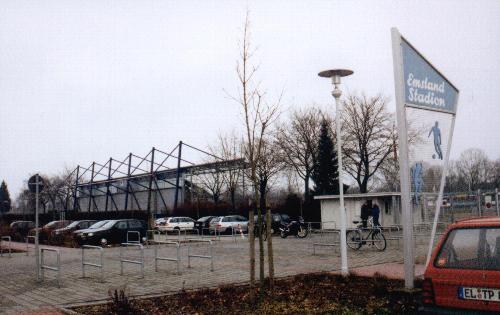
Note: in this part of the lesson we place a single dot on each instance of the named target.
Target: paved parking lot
(19, 290)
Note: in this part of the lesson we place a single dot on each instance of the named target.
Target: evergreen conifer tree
(4, 198)
(325, 174)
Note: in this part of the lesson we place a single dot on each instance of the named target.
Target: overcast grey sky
(81, 81)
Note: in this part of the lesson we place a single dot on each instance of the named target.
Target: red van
(463, 275)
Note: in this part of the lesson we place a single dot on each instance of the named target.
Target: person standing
(365, 213)
(375, 215)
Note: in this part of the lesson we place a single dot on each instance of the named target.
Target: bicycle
(361, 236)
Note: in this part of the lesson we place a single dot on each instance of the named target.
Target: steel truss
(135, 170)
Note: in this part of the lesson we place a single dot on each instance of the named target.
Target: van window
(134, 224)
(470, 248)
(122, 225)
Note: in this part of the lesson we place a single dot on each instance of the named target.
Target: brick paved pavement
(19, 291)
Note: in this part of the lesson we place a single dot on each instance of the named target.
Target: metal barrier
(57, 268)
(134, 233)
(129, 261)
(329, 243)
(2, 239)
(177, 259)
(211, 257)
(195, 236)
(203, 235)
(233, 234)
(390, 236)
(28, 242)
(99, 265)
(150, 236)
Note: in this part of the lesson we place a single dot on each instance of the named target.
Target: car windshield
(98, 224)
(203, 219)
(51, 224)
(109, 224)
(73, 224)
(470, 248)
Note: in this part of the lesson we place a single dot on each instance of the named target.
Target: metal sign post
(419, 85)
(35, 185)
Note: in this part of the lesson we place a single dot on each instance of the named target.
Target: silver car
(223, 224)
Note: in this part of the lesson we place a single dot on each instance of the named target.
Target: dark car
(45, 232)
(203, 223)
(59, 234)
(113, 232)
(277, 219)
(74, 226)
(20, 229)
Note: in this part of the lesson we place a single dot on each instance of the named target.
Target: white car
(174, 223)
(224, 224)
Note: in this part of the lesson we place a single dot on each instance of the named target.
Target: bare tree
(213, 182)
(229, 148)
(268, 166)
(258, 115)
(472, 167)
(298, 142)
(368, 136)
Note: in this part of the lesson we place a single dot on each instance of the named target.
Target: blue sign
(425, 87)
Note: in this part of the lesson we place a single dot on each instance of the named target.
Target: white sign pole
(404, 168)
(343, 224)
(439, 201)
(37, 233)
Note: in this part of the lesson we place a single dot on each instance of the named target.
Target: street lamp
(336, 74)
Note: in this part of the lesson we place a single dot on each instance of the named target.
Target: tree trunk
(270, 253)
(233, 200)
(251, 235)
(306, 187)
(262, 205)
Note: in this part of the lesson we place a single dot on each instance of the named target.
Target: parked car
(74, 226)
(20, 229)
(224, 224)
(463, 274)
(112, 232)
(96, 225)
(46, 232)
(175, 223)
(203, 223)
(277, 220)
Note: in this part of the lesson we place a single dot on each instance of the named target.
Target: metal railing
(220, 236)
(130, 261)
(97, 265)
(133, 233)
(28, 242)
(3, 239)
(211, 256)
(178, 256)
(56, 268)
(213, 236)
(329, 242)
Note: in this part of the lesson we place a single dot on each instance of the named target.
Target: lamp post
(336, 74)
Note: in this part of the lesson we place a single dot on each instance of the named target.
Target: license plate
(481, 294)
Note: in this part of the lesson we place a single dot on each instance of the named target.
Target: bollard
(8, 239)
(129, 261)
(99, 265)
(177, 259)
(134, 233)
(27, 243)
(57, 268)
(211, 256)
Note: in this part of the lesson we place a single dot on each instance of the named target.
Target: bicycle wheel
(379, 240)
(353, 238)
